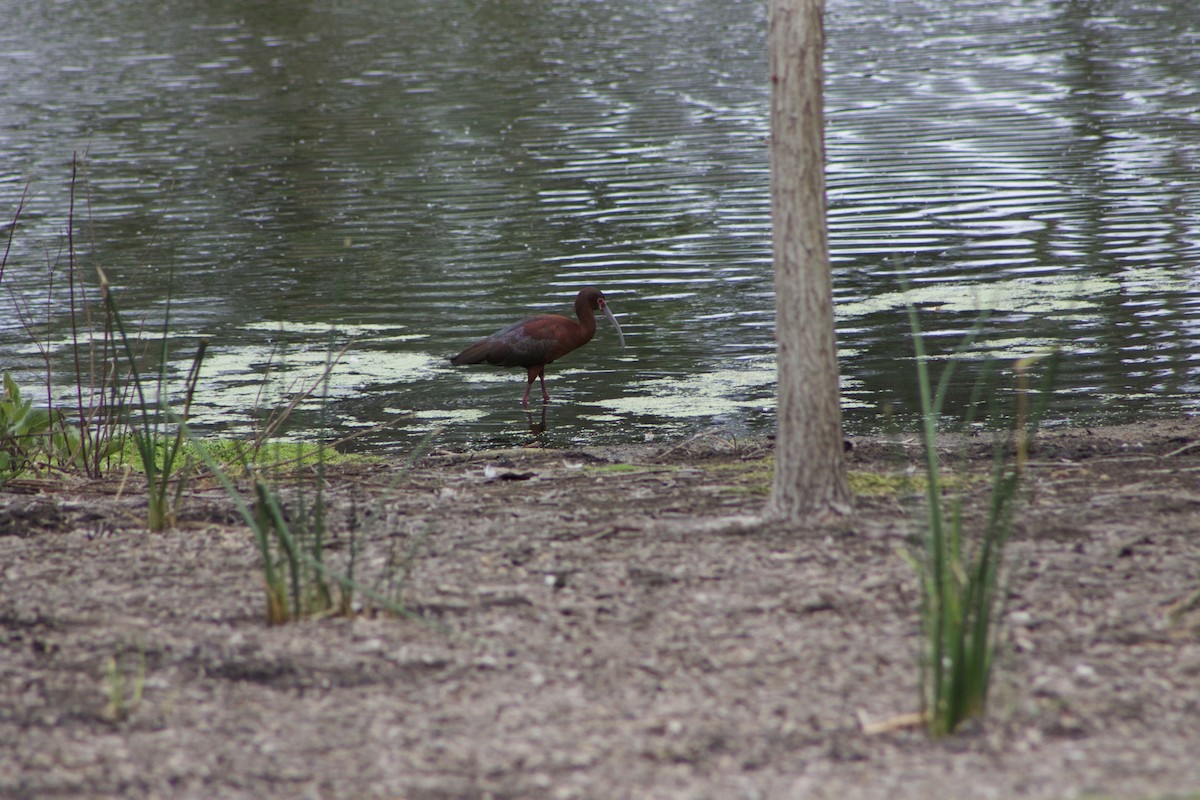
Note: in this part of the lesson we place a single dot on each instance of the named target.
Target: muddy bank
(604, 624)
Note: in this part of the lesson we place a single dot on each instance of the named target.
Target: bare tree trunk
(810, 468)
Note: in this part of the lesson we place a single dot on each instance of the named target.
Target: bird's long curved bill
(608, 313)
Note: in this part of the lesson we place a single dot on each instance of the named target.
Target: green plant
(33, 439)
(96, 426)
(157, 432)
(23, 431)
(85, 432)
(121, 700)
(292, 536)
(292, 551)
(959, 566)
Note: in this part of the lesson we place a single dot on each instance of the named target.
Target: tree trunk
(810, 468)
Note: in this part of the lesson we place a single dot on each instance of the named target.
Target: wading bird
(535, 342)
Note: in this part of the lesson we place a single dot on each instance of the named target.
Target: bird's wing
(522, 344)
(528, 343)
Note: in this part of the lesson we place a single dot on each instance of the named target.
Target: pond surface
(405, 177)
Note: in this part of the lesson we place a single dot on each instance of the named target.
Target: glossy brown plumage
(537, 341)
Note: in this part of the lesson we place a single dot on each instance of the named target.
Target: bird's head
(598, 302)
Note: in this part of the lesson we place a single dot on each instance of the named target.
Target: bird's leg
(545, 394)
(533, 373)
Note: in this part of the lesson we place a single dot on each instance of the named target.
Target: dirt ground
(606, 624)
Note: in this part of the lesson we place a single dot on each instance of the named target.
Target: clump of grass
(26, 437)
(291, 528)
(157, 431)
(124, 699)
(292, 549)
(616, 468)
(83, 434)
(874, 484)
(290, 539)
(239, 457)
(959, 565)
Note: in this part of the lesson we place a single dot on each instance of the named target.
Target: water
(408, 176)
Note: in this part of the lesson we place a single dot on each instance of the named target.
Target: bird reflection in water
(537, 427)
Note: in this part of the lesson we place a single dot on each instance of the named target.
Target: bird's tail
(475, 354)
